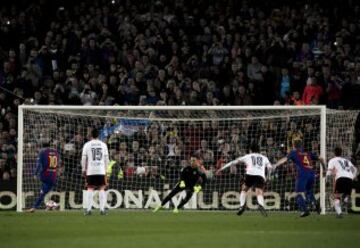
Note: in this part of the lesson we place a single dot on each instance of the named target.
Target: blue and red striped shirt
(303, 161)
(47, 164)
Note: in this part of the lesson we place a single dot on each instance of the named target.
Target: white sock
(90, 199)
(102, 199)
(337, 206)
(242, 198)
(260, 200)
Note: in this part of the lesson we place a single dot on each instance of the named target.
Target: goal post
(19, 191)
(150, 144)
(323, 155)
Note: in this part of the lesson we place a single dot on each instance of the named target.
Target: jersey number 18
(256, 161)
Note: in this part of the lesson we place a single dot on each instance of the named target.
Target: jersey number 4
(306, 162)
(96, 153)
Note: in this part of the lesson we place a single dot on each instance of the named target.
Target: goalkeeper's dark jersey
(192, 176)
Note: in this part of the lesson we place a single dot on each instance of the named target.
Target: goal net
(149, 146)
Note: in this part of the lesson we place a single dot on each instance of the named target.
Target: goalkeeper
(192, 179)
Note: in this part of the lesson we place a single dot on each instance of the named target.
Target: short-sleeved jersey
(95, 157)
(303, 161)
(256, 164)
(47, 164)
(341, 167)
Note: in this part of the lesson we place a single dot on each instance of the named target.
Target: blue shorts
(305, 182)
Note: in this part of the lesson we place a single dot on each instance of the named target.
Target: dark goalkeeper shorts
(254, 181)
(95, 180)
(343, 185)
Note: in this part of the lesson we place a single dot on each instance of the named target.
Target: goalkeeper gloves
(197, 188)
(182, 184)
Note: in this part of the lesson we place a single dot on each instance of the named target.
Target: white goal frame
(21, 109)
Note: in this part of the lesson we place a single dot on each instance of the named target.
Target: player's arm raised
(234, 162)
(280, 162)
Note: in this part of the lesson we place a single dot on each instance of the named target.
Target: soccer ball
(51, 205)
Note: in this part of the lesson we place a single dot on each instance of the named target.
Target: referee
(191, 180)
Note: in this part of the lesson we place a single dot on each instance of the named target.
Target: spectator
(218, 53)
(312, 92)
(87, 96)
(254, 70)
(285, 83)
(296, 99)
(242, 98)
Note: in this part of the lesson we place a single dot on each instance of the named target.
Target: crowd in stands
(133, 52)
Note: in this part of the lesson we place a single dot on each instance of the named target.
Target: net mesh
(149, 148)
(342, 129)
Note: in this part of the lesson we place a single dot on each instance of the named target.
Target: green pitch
(140, 229)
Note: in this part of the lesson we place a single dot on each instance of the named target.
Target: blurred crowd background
(176, 52)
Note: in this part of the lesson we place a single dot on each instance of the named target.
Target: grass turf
(186, 229)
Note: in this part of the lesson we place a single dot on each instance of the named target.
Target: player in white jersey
(94, 162)
(256, 164)
(344, 173)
